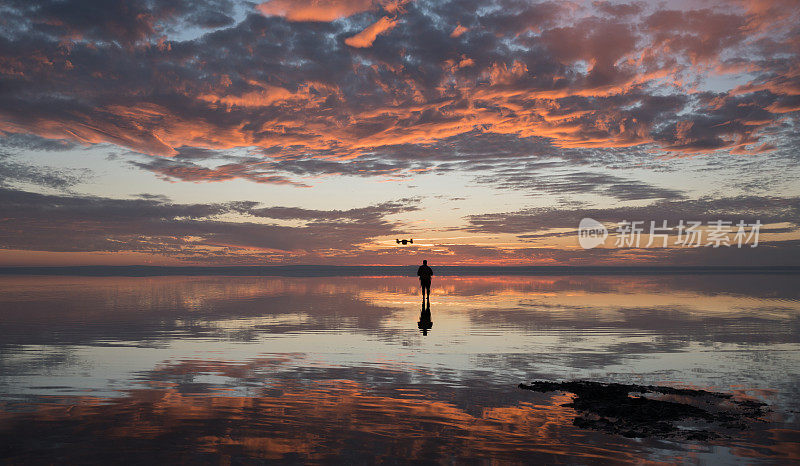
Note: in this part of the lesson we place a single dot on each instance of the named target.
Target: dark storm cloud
(467, 81)
(155, 225)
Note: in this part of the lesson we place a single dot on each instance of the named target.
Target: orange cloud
(458, 31)
(314, 10)
(366, 37)
(270, 95)
(394, 6)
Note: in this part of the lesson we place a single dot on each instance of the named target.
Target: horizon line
(318, 270)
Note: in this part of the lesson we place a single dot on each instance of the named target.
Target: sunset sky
(226, 132)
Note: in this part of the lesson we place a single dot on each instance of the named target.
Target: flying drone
(405, 241)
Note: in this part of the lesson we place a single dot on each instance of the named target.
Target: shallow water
(331, 369)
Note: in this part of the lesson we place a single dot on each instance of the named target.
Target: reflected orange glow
(320, 422)
(323, 420)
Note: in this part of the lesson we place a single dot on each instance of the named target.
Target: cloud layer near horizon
(196, 232)
(205, 233)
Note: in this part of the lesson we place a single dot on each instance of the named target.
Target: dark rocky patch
(666, 413)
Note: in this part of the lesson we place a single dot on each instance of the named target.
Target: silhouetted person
(425, 323)
(425, 273)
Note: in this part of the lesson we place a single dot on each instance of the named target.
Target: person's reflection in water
(425, 323)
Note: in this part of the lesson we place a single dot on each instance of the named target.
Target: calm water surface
(235, 369)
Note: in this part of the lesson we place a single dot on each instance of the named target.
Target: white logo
(591, 233)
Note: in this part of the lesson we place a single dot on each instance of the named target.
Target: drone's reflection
(425, 323)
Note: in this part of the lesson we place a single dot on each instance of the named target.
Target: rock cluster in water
(667, 412)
